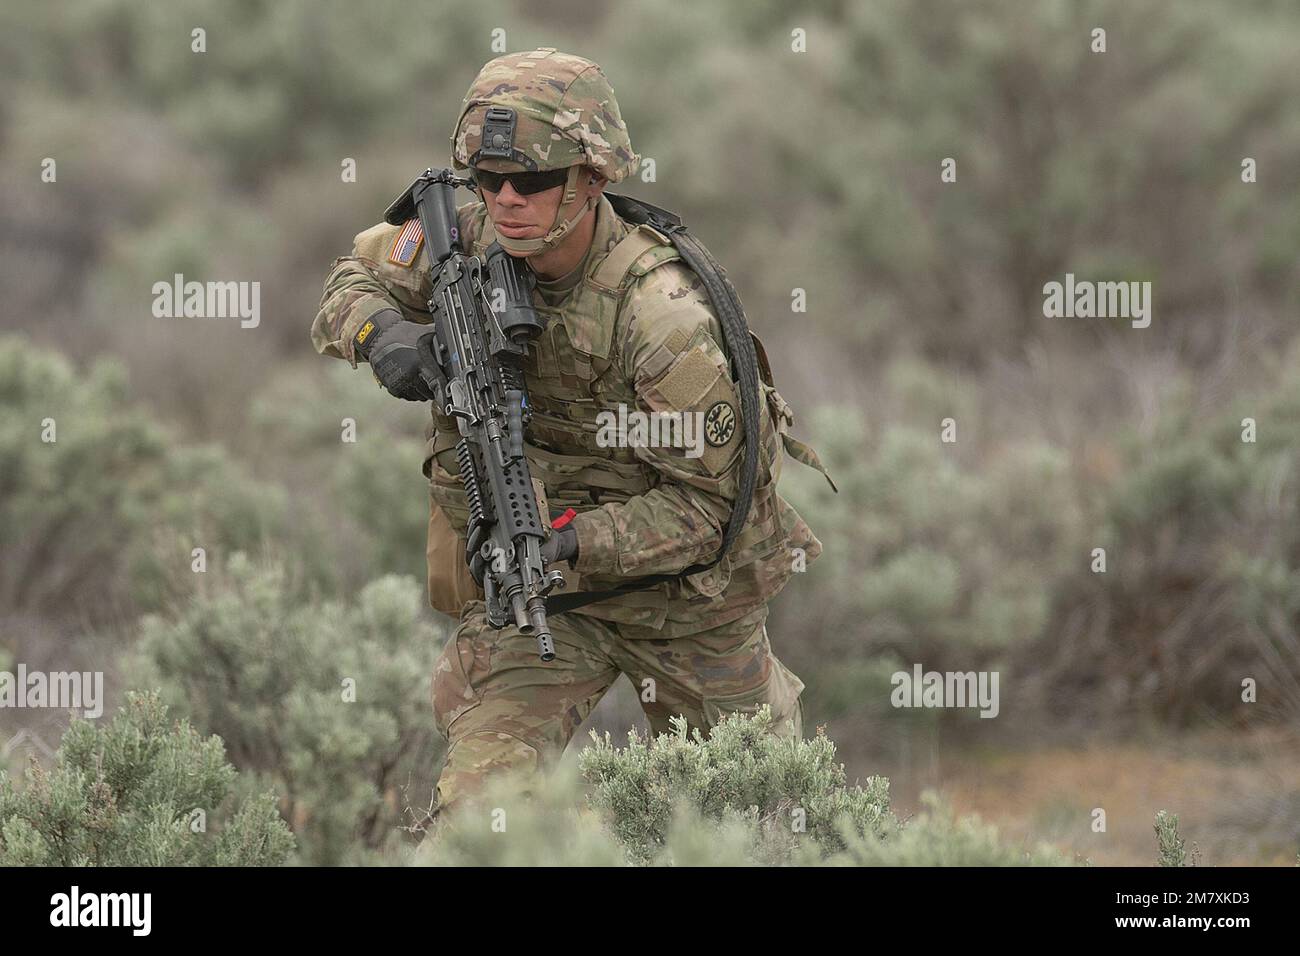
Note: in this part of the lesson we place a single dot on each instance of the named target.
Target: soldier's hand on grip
(561, 545)
(477, 567)
(389, 344)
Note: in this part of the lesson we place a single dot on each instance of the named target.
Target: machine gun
(471, 361)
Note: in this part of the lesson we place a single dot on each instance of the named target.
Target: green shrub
(1169, 845)
(740, 797)
(142, 791)
(965, 557)
(945, 553)
(370, 493)
(779, 787)
(936, 838)
(327, 702)
(1202, 532)
(521, 821)
(264, 95)
(931, 554)
(103, 519)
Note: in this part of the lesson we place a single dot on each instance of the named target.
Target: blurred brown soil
(1237, 794)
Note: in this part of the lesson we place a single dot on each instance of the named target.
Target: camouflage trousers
(501, 708)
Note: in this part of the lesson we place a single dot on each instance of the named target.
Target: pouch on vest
(451, 586)
(783, 418)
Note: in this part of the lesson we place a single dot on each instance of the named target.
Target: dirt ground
(1236, 793)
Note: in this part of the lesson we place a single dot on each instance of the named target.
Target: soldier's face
(522, 217)
(519, 216)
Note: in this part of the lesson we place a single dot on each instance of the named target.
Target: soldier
(630, 329)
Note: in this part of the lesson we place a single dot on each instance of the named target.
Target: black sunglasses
(526, 184)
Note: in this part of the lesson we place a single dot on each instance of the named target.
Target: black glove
(561, 545)
(388, 343)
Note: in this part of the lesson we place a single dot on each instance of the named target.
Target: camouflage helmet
(565, 114)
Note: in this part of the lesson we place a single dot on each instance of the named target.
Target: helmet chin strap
(560, 228)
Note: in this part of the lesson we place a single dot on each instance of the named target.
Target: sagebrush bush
(369, 492)
(143, 791)
(965, 559)
(329, 702)
(521, 820)
(1203, 538)
(781, 787)
(103, 519)
(947, 555)
(1171, 849)
(740, 797)
(955, 561)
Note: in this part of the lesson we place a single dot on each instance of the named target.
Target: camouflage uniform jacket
(635, 330)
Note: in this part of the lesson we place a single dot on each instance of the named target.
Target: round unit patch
(719, 424)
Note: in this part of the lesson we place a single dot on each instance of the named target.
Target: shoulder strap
(609, 275)
(659, 224)
(487, 235)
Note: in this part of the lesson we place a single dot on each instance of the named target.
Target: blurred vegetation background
(815, 170)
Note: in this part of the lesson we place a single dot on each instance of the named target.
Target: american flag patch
(407, 244)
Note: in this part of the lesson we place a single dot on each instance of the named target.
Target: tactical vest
(572, 375)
